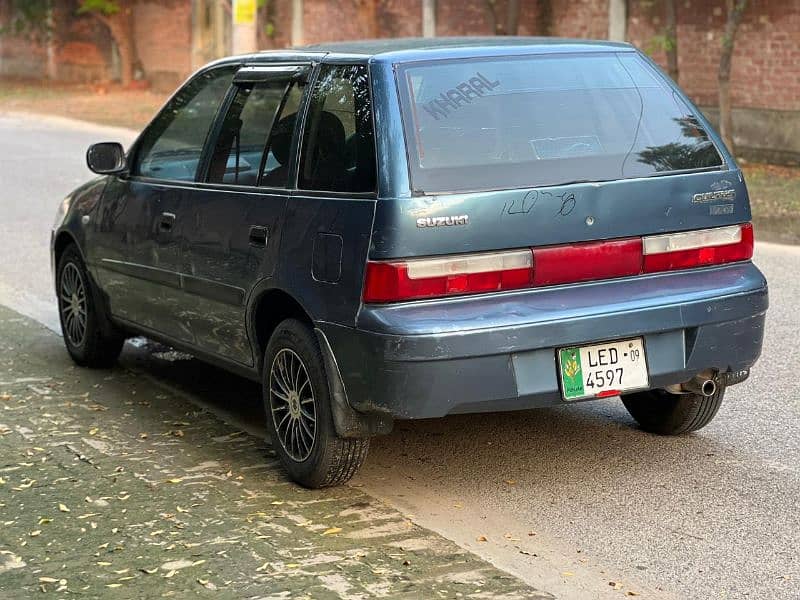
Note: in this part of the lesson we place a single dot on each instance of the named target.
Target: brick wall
(766, 59)
(766, 65)
(163, 33)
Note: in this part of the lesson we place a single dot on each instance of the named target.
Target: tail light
(447, 276)
(697, 248)
(393, 281)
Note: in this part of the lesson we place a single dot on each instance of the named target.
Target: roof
(392, 45)
(399, 50)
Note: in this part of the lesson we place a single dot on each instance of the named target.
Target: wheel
(299, 419)
(81, 325)
(660, 412)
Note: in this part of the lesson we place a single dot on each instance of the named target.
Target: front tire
(298, 411)
(663, 413)
(87, 342)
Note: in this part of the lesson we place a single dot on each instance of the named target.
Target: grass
(775, 201)
(774, 190)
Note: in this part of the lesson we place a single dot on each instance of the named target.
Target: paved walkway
(110, 486)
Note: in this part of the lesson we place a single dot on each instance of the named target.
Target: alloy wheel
(72, 301)
(292, 405)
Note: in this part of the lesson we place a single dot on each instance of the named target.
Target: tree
(671, 38)
(508, 25)
(117, 16)
(735, 12)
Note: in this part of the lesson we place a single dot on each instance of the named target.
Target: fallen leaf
(93, 430)
(174, 480)
(45, 521)
(482, 538)
(292, 566)
(615, 584)
(113, 585)
(511, 481)
(48, 580)
(35, 533)
(63, 508)
(331, 531)
(276, 502)
(103, 563)
(568, 574)
(149, 571)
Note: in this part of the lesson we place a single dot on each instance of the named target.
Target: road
(570, 499)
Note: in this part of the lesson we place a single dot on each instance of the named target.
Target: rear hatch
(555, 150)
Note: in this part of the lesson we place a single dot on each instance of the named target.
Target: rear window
(546, 120)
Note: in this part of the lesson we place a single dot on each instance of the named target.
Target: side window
(275, 172)
(238, 152)
(338, 144)
(172, 145)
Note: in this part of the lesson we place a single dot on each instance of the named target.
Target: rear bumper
(497, 352)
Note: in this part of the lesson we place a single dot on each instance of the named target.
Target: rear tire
(87, 341)
(298, 410)
(663, 413)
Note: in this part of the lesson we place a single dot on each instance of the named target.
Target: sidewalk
(109, 486)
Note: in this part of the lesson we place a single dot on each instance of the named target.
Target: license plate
(602, 369)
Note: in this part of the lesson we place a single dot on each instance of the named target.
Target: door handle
(166, 222)
(258, 236)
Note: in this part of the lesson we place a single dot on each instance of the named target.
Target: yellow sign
(244, 12)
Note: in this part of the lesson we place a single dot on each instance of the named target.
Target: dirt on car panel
(111, 485)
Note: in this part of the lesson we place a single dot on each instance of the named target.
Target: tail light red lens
(698, 248)
(393, 281)
(447, 276)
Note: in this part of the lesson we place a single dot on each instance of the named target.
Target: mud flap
(349, 423)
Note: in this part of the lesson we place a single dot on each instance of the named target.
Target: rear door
(327, 231)
(234, 216)
(539, 149)
(138, 235)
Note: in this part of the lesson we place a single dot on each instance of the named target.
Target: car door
(138, 232)
(329, 217)
(233, 218)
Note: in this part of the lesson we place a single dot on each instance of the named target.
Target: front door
(234, 218)
(138, 235)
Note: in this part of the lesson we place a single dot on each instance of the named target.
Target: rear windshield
(545, 120)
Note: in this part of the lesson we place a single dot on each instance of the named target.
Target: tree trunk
(735, 13)
(671, 34)
(120, 25)
(545, 18)
(497, 25)
(512, 17)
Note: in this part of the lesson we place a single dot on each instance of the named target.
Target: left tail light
(417, 278)
(447, 276)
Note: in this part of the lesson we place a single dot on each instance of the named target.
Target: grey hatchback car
(410, 229)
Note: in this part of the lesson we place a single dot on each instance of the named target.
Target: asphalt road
(570, 499)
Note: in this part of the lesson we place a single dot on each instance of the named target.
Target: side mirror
(106, 158)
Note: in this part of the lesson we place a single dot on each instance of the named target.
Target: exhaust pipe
(701, 386)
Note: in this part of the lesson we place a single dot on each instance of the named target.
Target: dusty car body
(415, 228)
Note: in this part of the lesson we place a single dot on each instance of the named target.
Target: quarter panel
(307, 217)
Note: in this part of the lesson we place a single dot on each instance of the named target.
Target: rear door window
(237, 157)
(545, 120)
(338, 142)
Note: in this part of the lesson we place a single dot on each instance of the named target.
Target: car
(415, 228)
